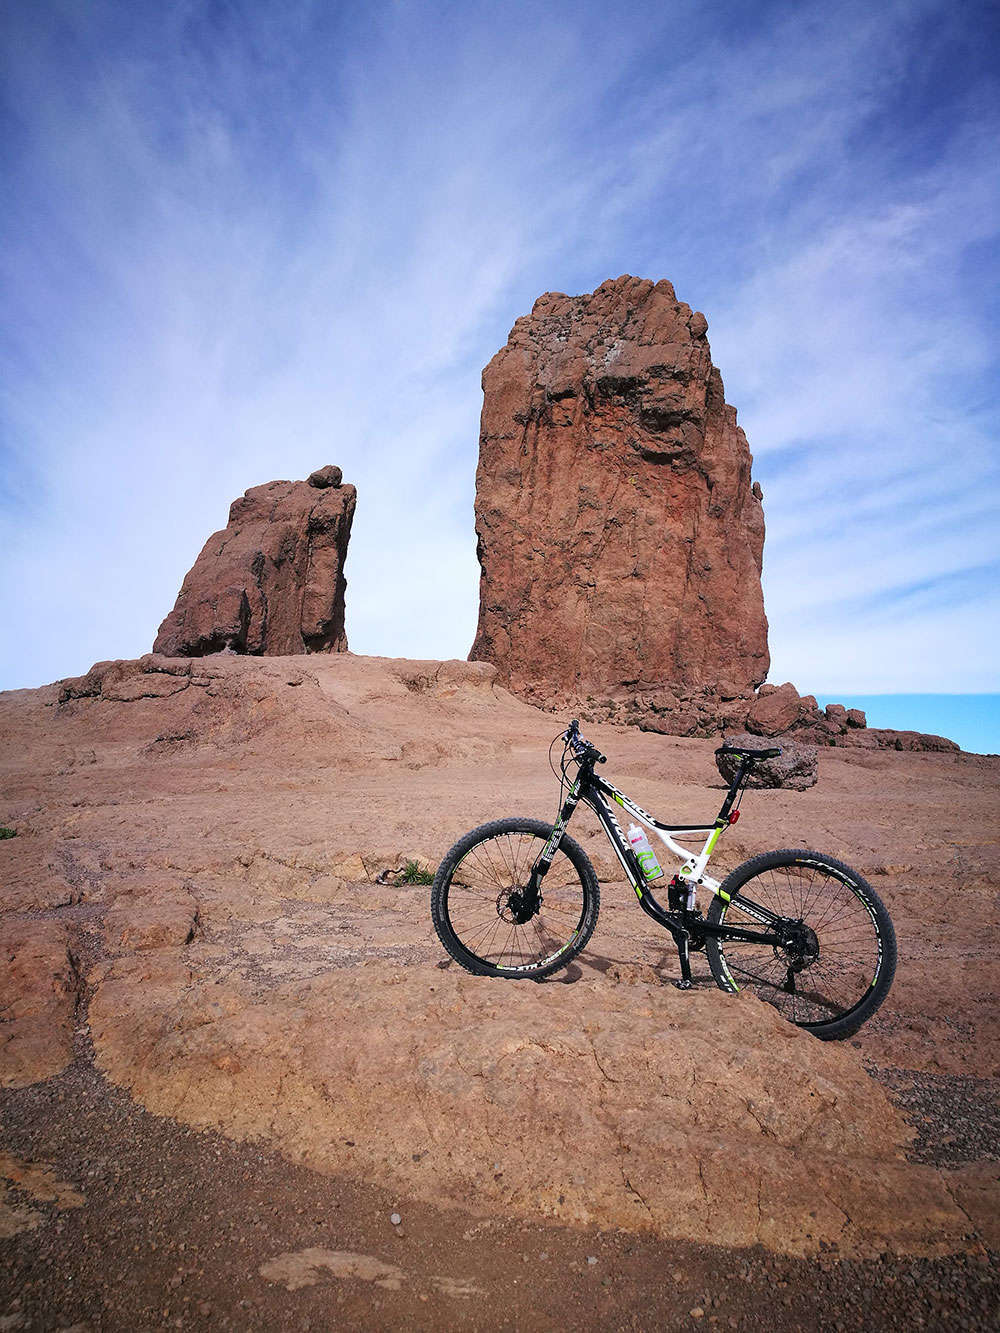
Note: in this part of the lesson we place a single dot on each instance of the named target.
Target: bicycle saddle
(768, 752)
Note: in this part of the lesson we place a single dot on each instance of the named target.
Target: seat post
(745, 765)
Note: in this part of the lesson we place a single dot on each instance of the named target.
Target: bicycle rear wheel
(843, 963)
(479, 916)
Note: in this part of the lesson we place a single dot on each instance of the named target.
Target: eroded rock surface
(442, 1075)
(620, 533)
(208, 837)
(38, 988)
(272, 581)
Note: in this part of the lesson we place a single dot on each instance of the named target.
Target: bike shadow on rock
(626, 971)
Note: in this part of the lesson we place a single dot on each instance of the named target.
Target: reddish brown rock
(307, 1010)
(837, 715)
(272, 582)
(620, 533)
(780, 711)
(163, 915)
(775, 711)
(312, 1066)
(794, 768)
(326, 476)
(884, 738)
(38, 989)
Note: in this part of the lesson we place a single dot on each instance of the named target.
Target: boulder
(272, 581)
(620, 537)
(326, 476)
(775, 711)
(794, 768)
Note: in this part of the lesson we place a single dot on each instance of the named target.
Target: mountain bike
(519, 898)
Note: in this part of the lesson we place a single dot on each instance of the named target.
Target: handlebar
(582, 749)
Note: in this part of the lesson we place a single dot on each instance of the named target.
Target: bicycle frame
(685, 925)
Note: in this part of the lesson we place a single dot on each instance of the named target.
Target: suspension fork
(545, 857)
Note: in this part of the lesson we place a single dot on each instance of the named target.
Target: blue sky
(243, 239)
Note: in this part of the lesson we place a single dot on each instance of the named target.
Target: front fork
(540, 869)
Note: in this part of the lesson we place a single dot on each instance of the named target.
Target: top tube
(694, 863)
(649, 820)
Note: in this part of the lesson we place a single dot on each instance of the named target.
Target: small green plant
(413, 873)
(6, 832)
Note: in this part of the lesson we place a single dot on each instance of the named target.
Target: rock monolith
(272, 581)
(620, 532)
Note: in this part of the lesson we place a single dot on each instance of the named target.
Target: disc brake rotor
(800, 949)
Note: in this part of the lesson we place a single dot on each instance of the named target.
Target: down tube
(617, 839)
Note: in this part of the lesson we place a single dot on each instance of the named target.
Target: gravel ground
(177, 1224)
(957, 1119)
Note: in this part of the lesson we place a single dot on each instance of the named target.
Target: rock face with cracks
(272, 581)
(38, 988)
(627, 1108)
(620, 534)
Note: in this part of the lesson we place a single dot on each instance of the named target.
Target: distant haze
(247, 238)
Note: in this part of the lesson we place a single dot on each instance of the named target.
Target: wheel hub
(515, 906)
(800, 947)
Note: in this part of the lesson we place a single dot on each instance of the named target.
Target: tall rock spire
(272, 581)
(620, 534)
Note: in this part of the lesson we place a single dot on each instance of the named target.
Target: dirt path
(189, 1230)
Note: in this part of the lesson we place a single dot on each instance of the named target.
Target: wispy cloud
(247, 239)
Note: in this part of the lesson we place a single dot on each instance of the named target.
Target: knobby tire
(856, 962)
(470, 901)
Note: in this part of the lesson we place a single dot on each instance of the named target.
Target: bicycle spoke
(485, 899)
(827, 984)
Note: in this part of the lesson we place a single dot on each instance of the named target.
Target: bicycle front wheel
(837, 969)
(478, 903)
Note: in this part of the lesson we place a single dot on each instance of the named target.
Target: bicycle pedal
(683, 985)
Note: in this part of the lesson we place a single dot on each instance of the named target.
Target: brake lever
(584, 748)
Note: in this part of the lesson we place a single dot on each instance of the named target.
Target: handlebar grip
(586, 750)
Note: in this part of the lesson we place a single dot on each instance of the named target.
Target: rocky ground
(231, 1056)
